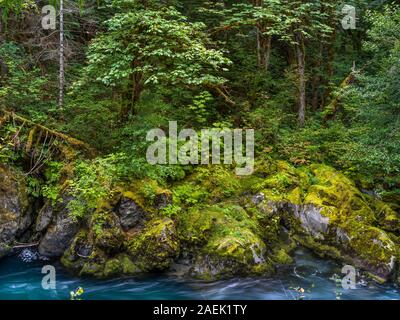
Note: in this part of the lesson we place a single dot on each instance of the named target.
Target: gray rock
(162, 200)
(130, 213)
(44, 217)
(15, 213)
(341, 236)
(258, 198)
(60, 233)
(312, 220)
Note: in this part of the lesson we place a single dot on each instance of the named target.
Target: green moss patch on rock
(329, 214)
(107, 233)
(228, 242)
(156, 246)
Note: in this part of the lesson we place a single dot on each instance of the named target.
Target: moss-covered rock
(327, 213)
(228, 242)
(387, 217)
(156, 246)
(211, 184)
(84, 258)
(107, 233)
(282, 257)
(120, 265)
(238, 226)
(78, 252)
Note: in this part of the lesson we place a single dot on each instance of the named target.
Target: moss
(374, 246)
(137, 198)
(338, 197)
(279, 181)
(214, 183)
(199, 223)
(282, 257)
(265, 167)
(392, 197)
(229, 240)
(144, 193)
(14, 183)
(93, 269)
(71, 258)
(295, 196)
(195, 226)
(318, 248)
(112, 267)
(121, 265)
(386, 216)
(128, 267)
(155, 247)
(251, 183)
(284, 183)
(107, 233)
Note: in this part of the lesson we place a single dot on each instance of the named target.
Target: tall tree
(151, 46)
(61, 74)
(304, 20)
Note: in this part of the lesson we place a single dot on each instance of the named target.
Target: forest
(83, 82)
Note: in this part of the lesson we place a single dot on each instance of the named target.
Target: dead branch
(220, 91)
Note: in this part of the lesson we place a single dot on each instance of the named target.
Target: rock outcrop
(15, 211)
(327, 213)
(60, 227)
(219, 224)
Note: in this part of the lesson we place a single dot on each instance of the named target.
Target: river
(21, 277)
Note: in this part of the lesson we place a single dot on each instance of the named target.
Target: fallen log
(35, 127)
(25, 245)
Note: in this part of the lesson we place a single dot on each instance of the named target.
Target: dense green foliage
(135, 65)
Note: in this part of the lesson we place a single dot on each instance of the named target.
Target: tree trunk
(263, 42)
(61, 75)
(2, 31)
(300, 55)
(315, 92)
(329, 64)
(316, 81)
(137, 89)
(137, 86)
(264, 49)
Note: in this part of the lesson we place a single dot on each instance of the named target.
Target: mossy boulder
(156, 246)
(327, 212)
(352, 222)
(84, 258)
(107, 233)
(120, 265)
(130, 213)
(224, 241)
(79, 252)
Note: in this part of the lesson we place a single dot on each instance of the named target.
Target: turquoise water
(20, 278)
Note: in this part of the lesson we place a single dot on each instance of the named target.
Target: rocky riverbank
(211, 225)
